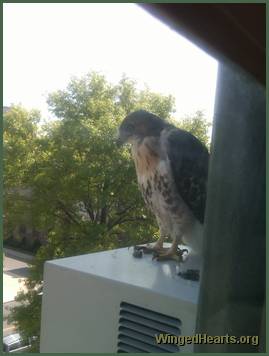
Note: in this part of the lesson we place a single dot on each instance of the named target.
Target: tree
(20, 135)
(83, 188)
(197, 125)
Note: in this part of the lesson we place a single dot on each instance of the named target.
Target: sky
(46, 44)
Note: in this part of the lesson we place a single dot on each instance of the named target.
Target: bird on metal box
(172, 167)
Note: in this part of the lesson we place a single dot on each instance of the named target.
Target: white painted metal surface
(82, 296)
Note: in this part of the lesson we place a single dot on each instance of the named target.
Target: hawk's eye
(129, 126)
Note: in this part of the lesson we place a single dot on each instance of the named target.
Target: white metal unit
(112, 302)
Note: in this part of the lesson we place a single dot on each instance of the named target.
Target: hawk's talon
(159, 254)
(146, 249)
(137, 253)
(155, 255)
(180, 252)
(170, 255)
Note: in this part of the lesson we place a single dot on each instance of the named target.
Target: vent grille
(138, 327)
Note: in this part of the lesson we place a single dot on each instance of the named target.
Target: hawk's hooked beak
(121, 139)
(119, 142)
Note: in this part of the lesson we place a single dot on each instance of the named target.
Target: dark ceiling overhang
(228, 32)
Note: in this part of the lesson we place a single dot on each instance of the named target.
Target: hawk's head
(138, 125)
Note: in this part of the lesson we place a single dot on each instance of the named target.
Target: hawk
(172, 168)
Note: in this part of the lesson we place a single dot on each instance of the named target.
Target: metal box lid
(121, 267)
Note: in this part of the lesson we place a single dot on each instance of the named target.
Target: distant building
(6, 109)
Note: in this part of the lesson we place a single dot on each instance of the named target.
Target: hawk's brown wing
(189, 162)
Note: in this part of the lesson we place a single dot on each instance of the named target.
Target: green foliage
(82, 188)
(26, 316)
(20, 152)
(197, 125)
